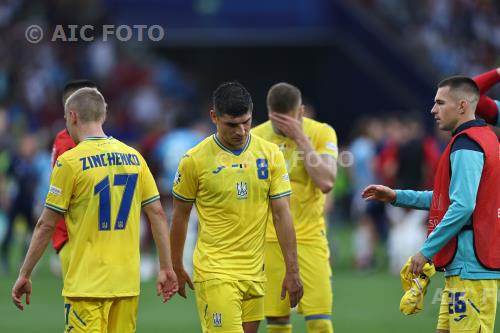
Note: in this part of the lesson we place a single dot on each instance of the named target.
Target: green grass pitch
(363, 302)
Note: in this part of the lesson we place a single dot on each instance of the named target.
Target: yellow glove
(415, 288)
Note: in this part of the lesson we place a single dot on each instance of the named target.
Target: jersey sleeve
(61, 186)
(280, 181)
(148, 185)
(413, 199)
(487, 108)
(326, 143)
(487, 80)
(186, 180)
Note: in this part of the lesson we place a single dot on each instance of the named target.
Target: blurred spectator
(173, 145)
(386, 163)
(5, 158)
(407, 230)
(23, 170)
(394, 151)
(367, 215)
(457, 36)
(144, 92)
(102, 59)
(167, 155)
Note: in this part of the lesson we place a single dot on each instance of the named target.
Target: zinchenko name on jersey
(108, 159)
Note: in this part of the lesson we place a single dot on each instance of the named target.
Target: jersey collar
(236, 152)
(469, 124)
(97, 138)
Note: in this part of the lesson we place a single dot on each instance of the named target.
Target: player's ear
(462, 106)
(73, 116)
(302, 110)
(213, 117)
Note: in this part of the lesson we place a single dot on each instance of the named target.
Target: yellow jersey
(100, 187)
(231, 191)
(307, 202)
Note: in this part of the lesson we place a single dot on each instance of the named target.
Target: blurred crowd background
(367, 67)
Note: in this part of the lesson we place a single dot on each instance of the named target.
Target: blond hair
(88, 103)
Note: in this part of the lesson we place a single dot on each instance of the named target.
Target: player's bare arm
(379, 193)
(41, 238)
(321, 168)
(166, 284)
(180, 219)
(285, 232)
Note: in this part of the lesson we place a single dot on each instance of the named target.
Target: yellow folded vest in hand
(415, 288)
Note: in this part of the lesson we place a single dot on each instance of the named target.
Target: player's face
(232, 131)
(445, 110)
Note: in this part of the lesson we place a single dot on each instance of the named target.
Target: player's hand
(166, 284)
(289, 126)
(21, 287)
(379, 192)
(183, 278)
(417, 263)
(293, 286)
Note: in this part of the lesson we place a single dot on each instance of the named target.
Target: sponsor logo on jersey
(219, 168)
(55, 190)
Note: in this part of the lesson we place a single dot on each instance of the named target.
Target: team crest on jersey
(242, 190)
(217, 319)
(177, 178)
(282, 146)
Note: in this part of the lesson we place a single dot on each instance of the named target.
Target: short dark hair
(283, 98)
(463, 84)
(73, 85)
(233, 99)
